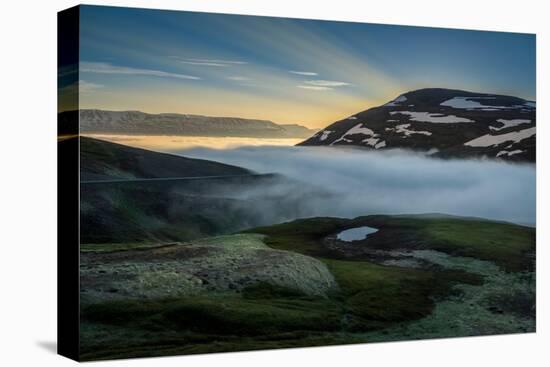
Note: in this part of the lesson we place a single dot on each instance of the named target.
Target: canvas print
(253, 183)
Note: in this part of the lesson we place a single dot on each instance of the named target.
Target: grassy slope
(264, 316)
(376, 296)
(502, 243)
(373, 294)
(104, 160)
(149, 213)
(171, 210)
(166, 211)
(302, 235)
(505, 244)
(371, 297)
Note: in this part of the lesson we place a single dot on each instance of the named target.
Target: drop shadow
(50, 346)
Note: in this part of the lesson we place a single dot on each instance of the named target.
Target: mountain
(102, 160)
(443, 123)
(296, 130)
(140, 123)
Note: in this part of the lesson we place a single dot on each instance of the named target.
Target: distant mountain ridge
(444, 123)
(95, 121)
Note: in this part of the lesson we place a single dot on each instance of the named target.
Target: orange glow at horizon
(171, 143)
(312, 114)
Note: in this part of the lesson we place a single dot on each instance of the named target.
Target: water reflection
(355, 234)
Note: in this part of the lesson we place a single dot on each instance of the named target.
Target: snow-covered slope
(442, 122)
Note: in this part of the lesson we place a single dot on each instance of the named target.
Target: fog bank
(392, 182)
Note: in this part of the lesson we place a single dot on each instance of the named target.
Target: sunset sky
(285, 70)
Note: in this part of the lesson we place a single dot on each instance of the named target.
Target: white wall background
(28, 182)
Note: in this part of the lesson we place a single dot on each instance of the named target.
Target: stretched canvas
(232, 183)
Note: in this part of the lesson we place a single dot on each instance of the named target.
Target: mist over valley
(357, 182)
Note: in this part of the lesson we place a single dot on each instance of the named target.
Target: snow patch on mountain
(509, 153)
(492, 140)
(370, 141)
(404, 129)
(509, 123)
(382, 144)
(357, 129)
(374, 142)
(324, 134)
(434, 118)
(468, 103)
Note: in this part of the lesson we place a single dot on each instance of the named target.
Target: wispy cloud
(326, 83)
(86, 87)
(313, 87)
(209, 62)
(106, 68)
(306, 73)
(221, 61)
(200, 63)
(238, 78)
(322, 85)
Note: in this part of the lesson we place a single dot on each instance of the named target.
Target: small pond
(355, 234)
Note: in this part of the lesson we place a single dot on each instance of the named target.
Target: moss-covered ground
(479, 280)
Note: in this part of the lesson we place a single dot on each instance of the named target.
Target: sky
(285, 70)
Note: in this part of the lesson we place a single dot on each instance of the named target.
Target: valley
(212, 257)
(235, 182)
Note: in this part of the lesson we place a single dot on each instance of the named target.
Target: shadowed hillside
(104, 160)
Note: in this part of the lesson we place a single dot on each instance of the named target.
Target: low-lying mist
(351, 182)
